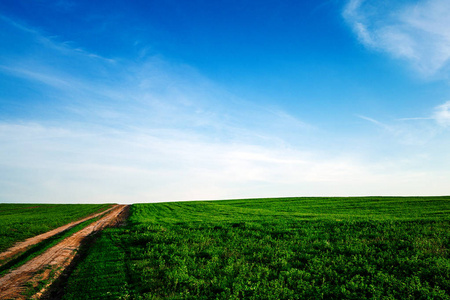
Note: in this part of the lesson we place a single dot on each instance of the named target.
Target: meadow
(284, 248)
(21, 221)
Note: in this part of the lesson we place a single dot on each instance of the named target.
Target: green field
(21, 221)
(293, 248)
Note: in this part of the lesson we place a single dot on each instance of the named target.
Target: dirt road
(52, 262)
(22, 246)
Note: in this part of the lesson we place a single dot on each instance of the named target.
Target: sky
(162, 100)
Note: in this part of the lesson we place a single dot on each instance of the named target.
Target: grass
(21, 221)
(290, 248)
(103, 274)
(364, 208)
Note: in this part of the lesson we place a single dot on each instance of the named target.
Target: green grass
(21, 221)
(292, 248)
(103, 274)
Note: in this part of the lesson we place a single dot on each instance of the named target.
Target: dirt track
(22, 246)
(53, 260)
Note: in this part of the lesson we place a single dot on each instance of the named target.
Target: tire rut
(24, 245)
(49, 265)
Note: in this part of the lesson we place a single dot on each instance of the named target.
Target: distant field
(293, 248)
(365, 208)
(21, 221)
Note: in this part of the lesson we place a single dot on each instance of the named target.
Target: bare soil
(49, 265)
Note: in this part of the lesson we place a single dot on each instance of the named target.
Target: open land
(282, 248)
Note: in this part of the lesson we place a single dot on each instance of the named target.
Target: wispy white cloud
(378, 123)
(416, 31)
(417, 130)
(42, 77)
(150, 93)
(442, 114)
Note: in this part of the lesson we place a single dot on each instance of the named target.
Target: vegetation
(293, 248)
(21, 221)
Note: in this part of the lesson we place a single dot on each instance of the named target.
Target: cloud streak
(416, 32)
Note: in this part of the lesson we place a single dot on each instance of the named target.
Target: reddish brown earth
(51, 263)
(24, 245)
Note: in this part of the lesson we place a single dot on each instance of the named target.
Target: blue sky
(139, 101)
